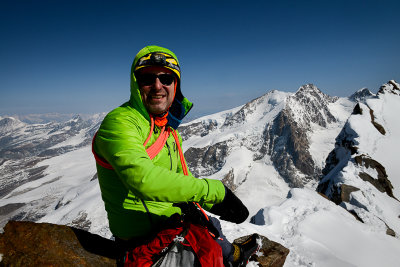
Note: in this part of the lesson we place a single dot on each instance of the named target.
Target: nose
(157, 84)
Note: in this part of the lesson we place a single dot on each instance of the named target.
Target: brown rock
(44, 244)
(272, 254)
(382, 183)
(346, 190)
(229, 180)
(377, 125)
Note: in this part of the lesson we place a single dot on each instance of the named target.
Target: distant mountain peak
(361, 95)
(309, 87)
(390, 87)
(8, 124)
(309, 104)
(311, 92)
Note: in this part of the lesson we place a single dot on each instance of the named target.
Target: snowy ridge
(234, 123)
(362, 173)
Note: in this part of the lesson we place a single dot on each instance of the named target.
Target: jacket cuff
(216, 191)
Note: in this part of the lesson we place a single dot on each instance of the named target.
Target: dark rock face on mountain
(288, 148)
(381, 182)
(207, 160)
(308, 106)
(201, 129)
(33, 244)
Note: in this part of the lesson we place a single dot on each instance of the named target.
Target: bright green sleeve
(120, 142)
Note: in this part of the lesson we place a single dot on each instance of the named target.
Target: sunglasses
(150, 78)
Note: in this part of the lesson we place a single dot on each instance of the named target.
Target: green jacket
(135, 177)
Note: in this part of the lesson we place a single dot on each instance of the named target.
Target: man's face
(155, 88)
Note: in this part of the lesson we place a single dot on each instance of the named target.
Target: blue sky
(75, 56)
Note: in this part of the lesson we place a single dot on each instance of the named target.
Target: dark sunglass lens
(150, 78)
(147, 78)
(166, 79)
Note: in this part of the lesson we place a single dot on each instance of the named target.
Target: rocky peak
(309, 105)
(308, 88)
(361, 95)
(310, 91)
(390, 87)
(8, 124)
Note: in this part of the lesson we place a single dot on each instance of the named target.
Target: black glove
(231, 208)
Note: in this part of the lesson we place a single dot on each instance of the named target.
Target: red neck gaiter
(161, 121)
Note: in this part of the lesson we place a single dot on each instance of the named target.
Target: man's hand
(231, 208)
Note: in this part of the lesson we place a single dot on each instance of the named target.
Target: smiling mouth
(157, 96)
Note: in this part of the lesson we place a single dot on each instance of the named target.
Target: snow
(322, 140)
(218, 117)
(257, 115)
(320, 233)
(259, 178)
(388, 146)
(66, 191)
(73, 141)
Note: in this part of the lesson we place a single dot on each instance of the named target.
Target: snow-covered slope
(54, 178)
(28, 162)
(320, 233)
(362, 172)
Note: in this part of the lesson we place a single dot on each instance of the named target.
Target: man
(140, 169)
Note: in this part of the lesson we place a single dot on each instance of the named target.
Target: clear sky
(75, 56)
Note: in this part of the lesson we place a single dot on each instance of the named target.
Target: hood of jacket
(180, 105)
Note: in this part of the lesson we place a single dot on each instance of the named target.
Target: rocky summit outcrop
(271, 254)
(45, 244)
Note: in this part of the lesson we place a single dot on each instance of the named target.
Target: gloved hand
(231, 208)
